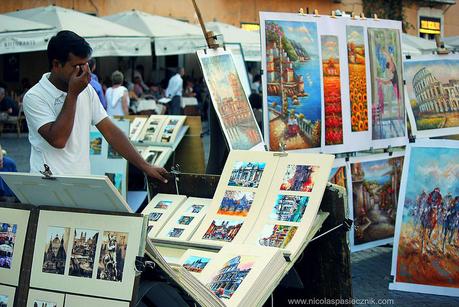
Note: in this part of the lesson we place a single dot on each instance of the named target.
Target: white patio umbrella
(170, 36)
(410, 50)
(249, 40)
(105, 37)
(452, 41)
(425, 46)
(20, 35)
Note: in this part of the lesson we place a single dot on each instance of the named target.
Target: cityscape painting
(194, 209)
(299, 178)
(388, 108)
(83, 252)
(294, 90)
(55, 252)
(112, 256)
(223, 230)
(195, 263)
(289, 208)
(246, 174)
(175, 232)
(236, 203)
(338, 176)
(163, 204)
(277, 235)
(375, 190)
(95, 143)
(7, 241)
(185, 220)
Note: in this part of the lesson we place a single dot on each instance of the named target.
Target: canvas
(425, 255)
(431, 87)
(38, 298)
(7, 296)
(375, 186)
(338, 174)
(230, 101)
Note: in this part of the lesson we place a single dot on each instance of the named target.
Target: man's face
(182, 72)
(64, 71)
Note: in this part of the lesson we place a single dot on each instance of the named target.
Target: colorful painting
(357, 78)
(230, 101)
(388, 108)
(236, 203)
(112, 153)
(332, 90)
(3, 300)
(223, 230)
(338, 176)
(375, 189)
(289, 208)
(246, 174)
(195, 263)
(83, 252)
(55, 252)
(154, 216)
(293, 84)
(163, 204)
(112, 256)
(7, 241)
(117, 180)
(95, 143)
(185, 220)
(227, 280)
(175, 232)
(299, 178)
(277, 235)
(433, 89)
(194, 209)
(427, 248)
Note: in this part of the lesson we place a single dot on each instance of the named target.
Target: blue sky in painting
(375, 170)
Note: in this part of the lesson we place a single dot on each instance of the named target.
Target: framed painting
(38, 298)
(7, 296)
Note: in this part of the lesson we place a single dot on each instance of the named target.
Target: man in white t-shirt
(61, 108)
(174, 90)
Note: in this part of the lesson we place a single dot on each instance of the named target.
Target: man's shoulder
(35, 91)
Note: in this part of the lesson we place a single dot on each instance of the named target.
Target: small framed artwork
(78, 301)
(38, 298)
(7, 296)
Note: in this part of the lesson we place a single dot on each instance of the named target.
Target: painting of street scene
(246, 174)
(357, 78)
(294, 84)
(299, 178)
(277, 235)
(7, 241)
(112, 256)
(83, 253)
(95, 143)
(332, 90)
(169, 130)
(227, 280)
(375, 189)
(433, 91)
(185, 220)
(338, 176)
(196, 264)
(236, 203)
(55, 253)
(388, 108)
(429, 238)
(175, 232)
(223, 230)
(163, 204)
(230, 102)
(194, 209)
(289, 208)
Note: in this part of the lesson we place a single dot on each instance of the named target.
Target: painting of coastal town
(428, 241)
(357, 78)
(433, 90)
(375, 190)
(388, 108)
(246, 174)
(299, 178)
(277, 235)
(289, 208)
(293, 81)
(223, 230)
(230, 101)
(236, 203)
(332, 90)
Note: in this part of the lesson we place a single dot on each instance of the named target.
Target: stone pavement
(370, 268)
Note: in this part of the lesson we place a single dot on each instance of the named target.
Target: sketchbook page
(159, 210)
(292, 201)
(89, 254)
(170, 129)
(194, 260)
(152, 129)
(136, 128)
(185, 220)
(238, 199)
(84, 192)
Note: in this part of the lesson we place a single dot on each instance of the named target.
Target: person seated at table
(189, 89)
(6, 165)
(155, 91)
(8, 106)
(138, 88)
(117, 96)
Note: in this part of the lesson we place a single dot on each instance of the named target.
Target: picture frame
(45, 299)
(7, 295)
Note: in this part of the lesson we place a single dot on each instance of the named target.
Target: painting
(163, 204)
(83, 252)
(236, 203)
(299, 178)
(332, 90)
(375, 190)
(95, 143)
(7, 296)
(7, 241)
(194, 209)
(230, 101)
(338, 176)
(223, 230)
(227, 280)
(426, 252)
(43, 304)
(388, 108)
(112, 153)
(169, 131)
(195, 263)
(294, 90)
(185, 220)
(246, 174)
(277, 235)
(3, 300)
(289, 208)
(117, 180)
(176, 232)
(432, 87)
(112, 256)
(357, 78)
(56, 248)
(154, 216)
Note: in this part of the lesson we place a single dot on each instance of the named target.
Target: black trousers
(175, 106)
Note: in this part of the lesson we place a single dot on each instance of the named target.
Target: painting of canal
(294, 94)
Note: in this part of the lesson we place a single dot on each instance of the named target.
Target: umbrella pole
(209, 35)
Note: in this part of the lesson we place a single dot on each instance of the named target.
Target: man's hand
(156, 172)
(79, 79)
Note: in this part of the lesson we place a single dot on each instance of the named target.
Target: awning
(424, 46)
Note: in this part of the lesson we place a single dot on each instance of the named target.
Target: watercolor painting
(7, 241)
(338, 176)
(195, 263)
(83, 252)
(223, 230)
(388, 108)
(299, 178)
(289, 208)
(55, 252)
(246, 174)
(175, 232)
(112, 256)
(163, 204)
(194, 209)
(236, 203)
(294, 84)
(277, 235)
(95, 143)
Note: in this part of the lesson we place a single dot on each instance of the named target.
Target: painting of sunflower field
(357, 78)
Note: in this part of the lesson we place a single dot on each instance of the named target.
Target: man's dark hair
(91, 63)
(64, 43)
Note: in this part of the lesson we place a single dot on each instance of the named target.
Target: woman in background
(117, 96)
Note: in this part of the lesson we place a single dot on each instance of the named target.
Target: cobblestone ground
(370, 268)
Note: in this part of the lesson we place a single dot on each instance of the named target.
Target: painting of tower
(55, 253)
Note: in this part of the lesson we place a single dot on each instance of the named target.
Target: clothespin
(333, 14)
(362, 16)
(282, 152)
(375, 17)
(316, 13)
(301, 11)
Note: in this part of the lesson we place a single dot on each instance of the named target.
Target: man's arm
(121, 144)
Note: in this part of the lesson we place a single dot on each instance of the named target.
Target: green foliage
(289, 49)
(389, 9)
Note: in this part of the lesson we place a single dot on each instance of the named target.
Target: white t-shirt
(114, 96)
(42, 104)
